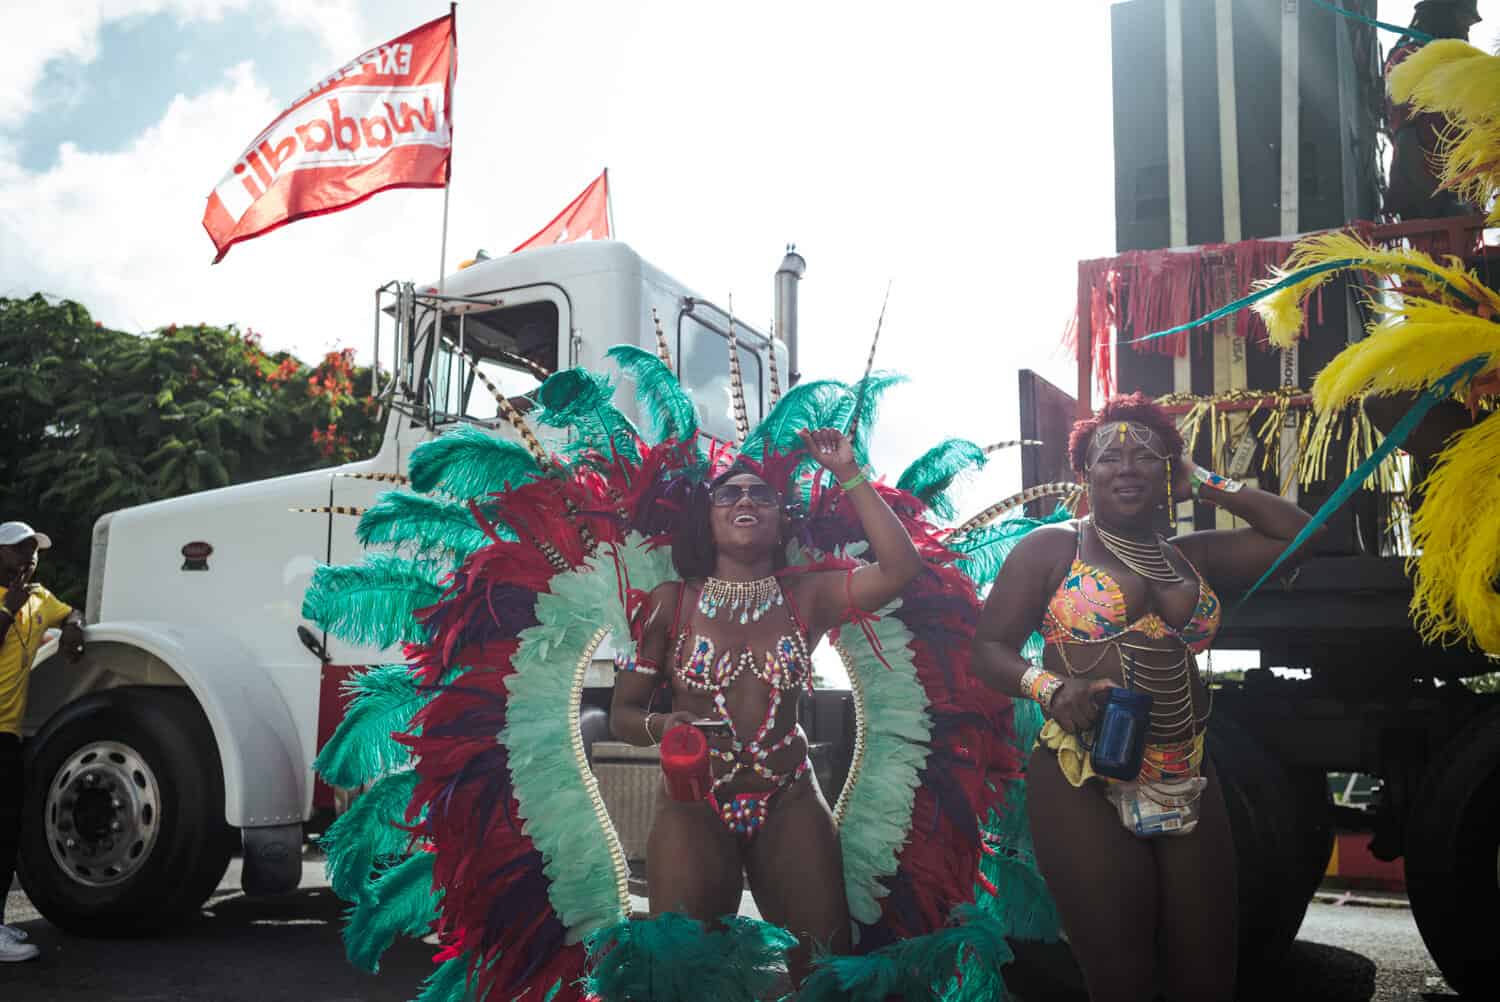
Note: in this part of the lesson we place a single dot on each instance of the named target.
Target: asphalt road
(259, 950)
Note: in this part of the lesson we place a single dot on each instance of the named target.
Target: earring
(1171, 507)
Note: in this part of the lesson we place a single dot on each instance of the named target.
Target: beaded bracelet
(647, 725)
(1199, 476)
(1049, 689)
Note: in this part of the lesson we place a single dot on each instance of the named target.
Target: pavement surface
(1353, 947)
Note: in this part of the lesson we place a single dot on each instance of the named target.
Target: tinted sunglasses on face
(761, 495)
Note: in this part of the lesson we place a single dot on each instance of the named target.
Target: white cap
(18, 532)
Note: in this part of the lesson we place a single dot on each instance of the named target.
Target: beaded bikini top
(701, 666)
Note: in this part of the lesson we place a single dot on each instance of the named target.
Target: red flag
(383, 121)
(585, 218)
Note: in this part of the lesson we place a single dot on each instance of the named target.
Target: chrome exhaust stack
(793, 266)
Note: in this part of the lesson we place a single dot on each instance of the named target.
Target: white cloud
(53, 30)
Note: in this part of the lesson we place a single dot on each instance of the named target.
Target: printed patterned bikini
(1089, 608)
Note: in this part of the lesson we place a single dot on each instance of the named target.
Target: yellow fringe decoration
(1455, 79)
(1316, 434)
(1282, 310)
(1458, 532)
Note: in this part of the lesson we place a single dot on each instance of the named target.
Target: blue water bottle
(1120, 740)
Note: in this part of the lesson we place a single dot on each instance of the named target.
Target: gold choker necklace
(1146, 559)
(752, 599)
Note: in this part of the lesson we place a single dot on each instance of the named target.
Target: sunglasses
(760, 495)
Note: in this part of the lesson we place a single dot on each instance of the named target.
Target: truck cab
(191, 725)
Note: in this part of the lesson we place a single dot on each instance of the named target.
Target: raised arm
(1232, 559)
(874, 585)
(631, 718)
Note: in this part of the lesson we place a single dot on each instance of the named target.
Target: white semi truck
(190, 727)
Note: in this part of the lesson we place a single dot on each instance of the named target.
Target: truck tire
(1452, 856)
(1270, 855)
(125, 831)
(1314, 804)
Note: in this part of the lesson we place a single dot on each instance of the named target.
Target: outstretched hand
(832, 450)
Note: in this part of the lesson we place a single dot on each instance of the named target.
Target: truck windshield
(513, 347)
(703, 360)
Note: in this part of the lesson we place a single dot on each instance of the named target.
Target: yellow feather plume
(1455, 79)
(1282, 310)
(1417, 344)
(1469, 164)
(1450, 76)
(1457, 531)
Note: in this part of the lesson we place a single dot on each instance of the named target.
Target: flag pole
(448, 187)
(609, 206)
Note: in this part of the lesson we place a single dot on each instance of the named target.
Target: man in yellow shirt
(27, 612)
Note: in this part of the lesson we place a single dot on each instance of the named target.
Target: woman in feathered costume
(733, 640)
(484, 825)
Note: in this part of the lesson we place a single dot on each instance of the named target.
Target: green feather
(982, 551)
(668, 411)
(424, 526)
(401, 902)
(1021, 903)
(922, 967)
(468, 462)
(815, 404)
(382, 701)
(936, 470)
(374, 602)
(672, 958)
(365, 838)
(872, 389)
(579, 400)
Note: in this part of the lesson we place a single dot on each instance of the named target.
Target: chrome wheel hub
(103, 813)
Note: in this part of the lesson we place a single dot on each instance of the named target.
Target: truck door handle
(312, 643)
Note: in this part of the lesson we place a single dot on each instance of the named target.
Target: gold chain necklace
(1146, 559)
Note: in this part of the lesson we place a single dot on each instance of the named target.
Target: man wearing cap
(1411, 192)
(27, 612)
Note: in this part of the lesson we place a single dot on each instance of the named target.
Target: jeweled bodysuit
(708, 658)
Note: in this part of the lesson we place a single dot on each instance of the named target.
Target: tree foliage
(96, 419)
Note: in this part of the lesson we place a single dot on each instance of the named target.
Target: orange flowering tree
(98, 419)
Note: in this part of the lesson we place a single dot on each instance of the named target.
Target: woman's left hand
(832, 450)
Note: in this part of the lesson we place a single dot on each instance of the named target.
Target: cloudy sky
(959, 149)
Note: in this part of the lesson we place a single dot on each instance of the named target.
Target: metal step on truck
(1330, 676)
(189, 730)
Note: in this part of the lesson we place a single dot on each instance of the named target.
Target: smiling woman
(1129, 825)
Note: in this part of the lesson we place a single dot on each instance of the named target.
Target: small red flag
(585, 218)
(382, 121)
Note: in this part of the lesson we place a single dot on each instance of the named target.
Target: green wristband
(862, 477)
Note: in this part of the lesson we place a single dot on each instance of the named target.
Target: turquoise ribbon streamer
(1409, 421)
(1420, 36)
(1254, 297)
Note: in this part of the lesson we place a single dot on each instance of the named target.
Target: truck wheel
(124, 831)
(1314, 804)
(1269, 855)
(1453, 855)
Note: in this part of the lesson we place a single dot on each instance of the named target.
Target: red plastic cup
(684, 763)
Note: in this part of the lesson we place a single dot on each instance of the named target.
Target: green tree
(97, 419)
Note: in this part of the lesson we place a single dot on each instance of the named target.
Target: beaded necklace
(752, 599)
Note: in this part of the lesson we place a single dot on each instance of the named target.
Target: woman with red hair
(1139, 857)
